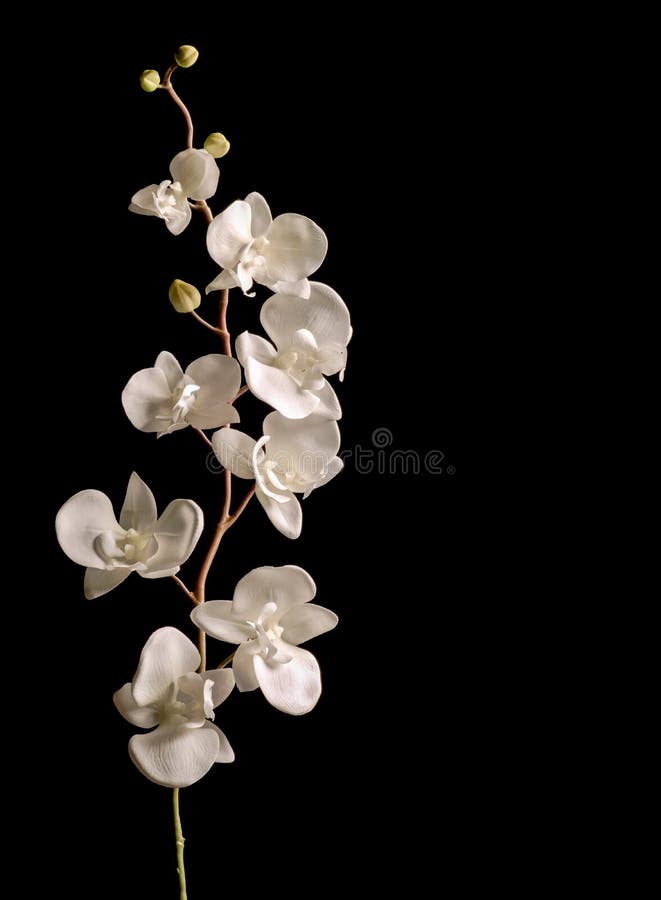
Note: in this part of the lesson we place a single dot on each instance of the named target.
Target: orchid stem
(205, 209)
(179, 840)
(224, 523)
(222, 321)
(202, 647)
(166, 84)
(228, 659)
(203, 436)
(208, 325)
(189, 594)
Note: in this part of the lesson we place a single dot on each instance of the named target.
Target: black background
(380, 137)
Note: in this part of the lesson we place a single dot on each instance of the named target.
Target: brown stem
(222, 320)
(202, 647)
(237, 512)
(202, 435)
(189, 594)
(240, 392)
(228, 659)
(224, 523)
(166, 84)
(223, 334)
(204, 208)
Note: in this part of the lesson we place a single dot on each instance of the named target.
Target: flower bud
(183, 296)
(185, 56)
(217, 145)
(150, 80)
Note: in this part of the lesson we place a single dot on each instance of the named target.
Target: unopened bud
(150, 80)
(183, 296)
(185, 56)
(217, 145)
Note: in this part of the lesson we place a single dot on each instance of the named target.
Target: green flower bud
(185, 56)
(217, 145)
(150, 80)
(183, 296)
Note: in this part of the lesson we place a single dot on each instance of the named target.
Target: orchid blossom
(310, 338)
(166, 399)
(251, 245)
(194, 174)
(269, 616)
(294, 456)
(168, 693)
(153, 546)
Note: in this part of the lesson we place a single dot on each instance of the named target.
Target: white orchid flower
(294, 456)
(168, 693)
(268, 618)
(165, 399)
(154, 547)
(310, 338)
(251, 245)
(194, 174)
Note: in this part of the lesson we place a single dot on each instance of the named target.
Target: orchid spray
(174, 694)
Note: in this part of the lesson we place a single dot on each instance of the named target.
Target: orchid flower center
(132, 545)
(253, 256)
(183, 400)
(189, 698)
(296, 362)
(267, 631)
(301, 357)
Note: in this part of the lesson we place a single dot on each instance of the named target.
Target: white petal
(303, 622)
(252, 346)
(334, 467)
(99, 581)
(179, 218)
(139, 509)
(226, 279)
(169, 366)
(329, 406)
(219, 379)
(142, 716)
(177, 531)
(324, 314)
(173, 755)
(296, 248)
(244, 275)
(287, 517)
(223, 684)
(224, 754)
(147, 401)
(80, 521)
(279, 390)
(292, 687)
(261, 214)
(214, 416)
(166, 656)
(299, 288)
(197, 172)
(216, 618)
(229, 233)
(243, 668)
(143, 201)
(234, 450)
(332, 358)
(286, 586)
(311, 440)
